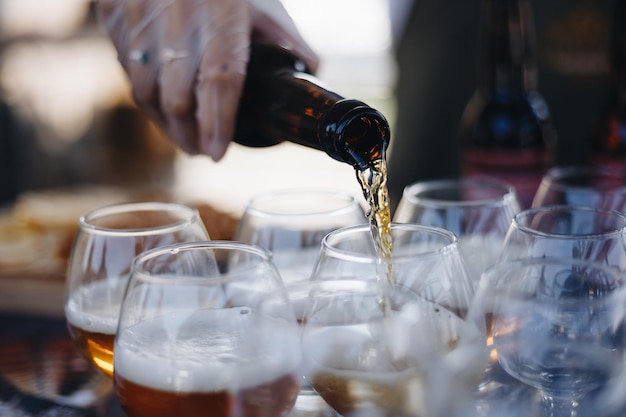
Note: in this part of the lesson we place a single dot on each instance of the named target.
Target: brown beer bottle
(281, 102)
(506, 132)
(609, 140)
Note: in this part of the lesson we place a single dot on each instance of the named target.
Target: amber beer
(203, 364)
(92, 313)
(269, 399)
(96, 346)
(393, 394)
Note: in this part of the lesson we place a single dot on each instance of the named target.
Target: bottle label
(521, 168)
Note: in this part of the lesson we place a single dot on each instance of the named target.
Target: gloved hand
(186, 60)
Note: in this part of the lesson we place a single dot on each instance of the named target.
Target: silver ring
(142, 57)
(168, 55)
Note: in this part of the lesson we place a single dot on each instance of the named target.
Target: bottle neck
(355, 133)
(282, 102)
(507, 40)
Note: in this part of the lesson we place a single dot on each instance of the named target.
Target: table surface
(42, 372)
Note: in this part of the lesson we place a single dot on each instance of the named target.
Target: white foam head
(205, 351)
(96, 307)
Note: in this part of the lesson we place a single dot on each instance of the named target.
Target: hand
(186, 60)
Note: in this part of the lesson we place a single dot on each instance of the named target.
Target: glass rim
(347, 202)
(137, 270)
(531, 212)
(447, 246)
(504, 192)
(191, 215)
(556, 174)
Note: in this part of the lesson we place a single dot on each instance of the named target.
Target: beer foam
(205, 351)
(419, 336)
(95, 307)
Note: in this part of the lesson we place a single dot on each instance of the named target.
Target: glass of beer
(192, 340)
(370, 348)
(107, 240)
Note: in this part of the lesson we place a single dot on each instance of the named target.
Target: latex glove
(186, 60)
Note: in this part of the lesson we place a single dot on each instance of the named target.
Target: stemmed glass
(291, 224)
(107, 240)
(375, 349)
(558, 326)
(425, 259)
(479, 212)
(192, 340)
(567, 231)
(592, 186)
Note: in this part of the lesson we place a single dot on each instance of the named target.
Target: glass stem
(559, 407)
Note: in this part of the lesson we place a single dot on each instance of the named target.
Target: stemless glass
(558, 326)
(592, 186)
(192, 340)
(372, 349)
(107, 240)
(569, 232)
(292, 223)
(426, 259)
(479, 212)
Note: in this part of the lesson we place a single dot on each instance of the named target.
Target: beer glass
(192, 340)
(567, 232)
(603, 187)
(479, 212)
(107, 240)
(370, 348)
(425, 259)
(558, 326)
(292, 223)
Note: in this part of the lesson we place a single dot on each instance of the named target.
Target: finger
(111, 14)
(225, 52)
(180, 59)
(144, 25)
(272, 21)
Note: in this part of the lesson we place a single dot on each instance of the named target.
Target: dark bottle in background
(506, 129)
(609, 139)
(282, 102)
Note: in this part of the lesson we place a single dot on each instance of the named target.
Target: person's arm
(186, 60)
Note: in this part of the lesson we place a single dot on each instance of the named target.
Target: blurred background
(67, 118)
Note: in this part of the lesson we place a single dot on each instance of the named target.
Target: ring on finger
(137, 55)
(168, 55)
